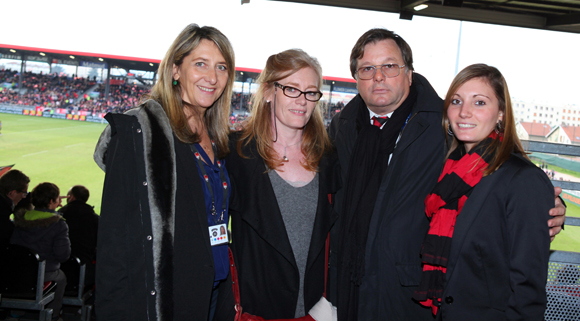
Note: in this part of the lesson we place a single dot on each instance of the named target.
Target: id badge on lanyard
(218, 232)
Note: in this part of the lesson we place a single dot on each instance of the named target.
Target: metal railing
(563, 286)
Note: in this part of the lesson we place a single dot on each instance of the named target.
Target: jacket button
(149, 238)
(449, 300)
(138, 130)
(144, 183)
(153, 292)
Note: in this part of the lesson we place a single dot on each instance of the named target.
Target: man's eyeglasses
(295, 92)
(388, 70)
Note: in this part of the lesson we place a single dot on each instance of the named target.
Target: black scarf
(368, 163)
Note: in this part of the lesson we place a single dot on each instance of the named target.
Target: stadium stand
(85, 96)
(122, 98)
(40, 89)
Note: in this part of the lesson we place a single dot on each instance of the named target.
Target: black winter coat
(6, 225)
(83, 225)
(154, 259)
(268, 276)
(398, 224)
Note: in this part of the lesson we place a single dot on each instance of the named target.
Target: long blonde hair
(500, 150)
(168, 95)
(259, 125)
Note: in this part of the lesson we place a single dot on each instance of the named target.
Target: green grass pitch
(61, 152)
(53, 150)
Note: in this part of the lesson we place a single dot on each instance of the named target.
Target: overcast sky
(538, 65)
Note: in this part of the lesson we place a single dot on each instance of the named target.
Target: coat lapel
(160, 168)
(267, 221)
(465, 219)
(329, 183)
(411, 132)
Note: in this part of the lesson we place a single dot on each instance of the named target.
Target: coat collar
(34, 218)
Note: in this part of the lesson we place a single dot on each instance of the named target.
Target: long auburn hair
(500, 150)
(259, 125)
(168, 95)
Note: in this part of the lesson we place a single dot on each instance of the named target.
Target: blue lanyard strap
(406, 121)
(208, 183)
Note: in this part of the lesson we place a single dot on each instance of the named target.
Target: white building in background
(546, 113)
(537, 112)
(570, 115)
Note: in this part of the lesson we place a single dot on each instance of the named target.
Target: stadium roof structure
(98, 60)
(254, 73)
(77, 58)
(555, 15)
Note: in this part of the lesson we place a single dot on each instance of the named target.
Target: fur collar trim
(31, 219)
(160, 167)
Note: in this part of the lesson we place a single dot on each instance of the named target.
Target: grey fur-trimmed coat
(154, 259)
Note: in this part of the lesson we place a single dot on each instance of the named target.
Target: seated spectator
(13, 188)
(44, 231)
(83, 224)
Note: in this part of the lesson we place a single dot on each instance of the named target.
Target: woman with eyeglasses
(281, 170)
(485, 256)
(166, 191)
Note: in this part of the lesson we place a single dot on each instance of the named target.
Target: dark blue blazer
(498, 263)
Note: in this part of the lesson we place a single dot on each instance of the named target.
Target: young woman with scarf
(485, 256)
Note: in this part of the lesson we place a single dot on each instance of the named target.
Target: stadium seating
(75, 293)
(22, 283)
(42, 89)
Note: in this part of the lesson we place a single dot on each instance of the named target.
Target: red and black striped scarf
(460, 175)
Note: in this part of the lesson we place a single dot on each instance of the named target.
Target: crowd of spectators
(38, 89)
(241, 101)
(333, 109)
(121, 98)
(52, 90)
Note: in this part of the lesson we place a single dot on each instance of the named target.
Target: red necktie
(379, 121)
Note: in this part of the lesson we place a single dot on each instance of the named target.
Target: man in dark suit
(391, 146)
(83, 224)
(13, 188)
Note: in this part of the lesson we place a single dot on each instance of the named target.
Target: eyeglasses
(388, 70)
(295, 92)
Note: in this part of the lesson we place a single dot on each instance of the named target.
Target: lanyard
(216, 219)
(405, 124)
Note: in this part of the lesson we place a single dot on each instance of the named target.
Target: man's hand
(559, 214)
